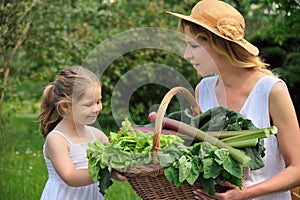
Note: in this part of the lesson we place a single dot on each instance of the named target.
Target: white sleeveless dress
(256, 108)
(57, 189)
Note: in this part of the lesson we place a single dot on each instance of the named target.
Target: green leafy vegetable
(231, 128)
(127, 148)
(227, 142)
(201, 162)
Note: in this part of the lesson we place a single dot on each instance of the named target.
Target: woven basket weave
(149, 181)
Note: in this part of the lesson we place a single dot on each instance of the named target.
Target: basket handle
(162, 110)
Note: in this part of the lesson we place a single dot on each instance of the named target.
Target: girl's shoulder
(56, 143)
(100, 135)
(58, 136)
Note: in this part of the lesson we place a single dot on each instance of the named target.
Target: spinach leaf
(233, 168)
(194, 172)
(185, 166)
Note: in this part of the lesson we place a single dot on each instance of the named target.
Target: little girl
(69, 105)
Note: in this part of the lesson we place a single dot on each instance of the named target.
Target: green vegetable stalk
(202, 136)
(227, 126)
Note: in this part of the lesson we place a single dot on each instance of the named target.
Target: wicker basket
(149, 181)
(295, 193)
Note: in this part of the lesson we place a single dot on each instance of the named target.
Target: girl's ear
(66, 107)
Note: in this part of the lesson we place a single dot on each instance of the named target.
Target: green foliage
(291, 72)
(61, 33)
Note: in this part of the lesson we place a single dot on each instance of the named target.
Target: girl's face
(200, 54)
(86, 110)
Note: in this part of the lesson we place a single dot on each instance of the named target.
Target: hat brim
(243, 42)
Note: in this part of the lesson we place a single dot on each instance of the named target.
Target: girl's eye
(88, 105)
(195, 46)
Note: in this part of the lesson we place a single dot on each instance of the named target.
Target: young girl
(216, 45)
(69, 105)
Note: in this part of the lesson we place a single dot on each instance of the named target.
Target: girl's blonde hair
(69, 85)
(235, 54)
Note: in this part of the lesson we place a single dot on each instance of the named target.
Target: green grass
(23, 173)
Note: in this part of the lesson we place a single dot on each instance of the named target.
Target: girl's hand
(117, 175)
(232, 193)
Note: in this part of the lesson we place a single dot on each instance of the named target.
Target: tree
(17, 18)
(38, 38)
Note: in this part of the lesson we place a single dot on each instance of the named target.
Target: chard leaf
(233, 167)
(233, 180)
(206, 149)
(216, 170)
(184, 168)
(196, 148)
(172, 174)
(221, 155)
(171, 153)
(166, 160)
(207, 165)
(169, 173)
(177, 183)
(256, 155)
(194, 172)
(208, 185)
(211, 169)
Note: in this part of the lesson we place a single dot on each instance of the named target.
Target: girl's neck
(69, 126)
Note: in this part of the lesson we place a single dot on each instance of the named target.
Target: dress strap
(60, 133)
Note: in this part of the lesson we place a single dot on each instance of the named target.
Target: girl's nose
(188, 53)
(97, 108)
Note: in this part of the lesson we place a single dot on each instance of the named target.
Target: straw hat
(221, 19)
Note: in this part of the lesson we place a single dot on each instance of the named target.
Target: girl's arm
(57, 150)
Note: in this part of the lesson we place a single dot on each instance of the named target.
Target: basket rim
(158, 124)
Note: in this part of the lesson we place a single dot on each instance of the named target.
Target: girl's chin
(91, 121)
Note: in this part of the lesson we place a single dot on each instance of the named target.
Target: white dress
(57, 189)
(256, 108)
